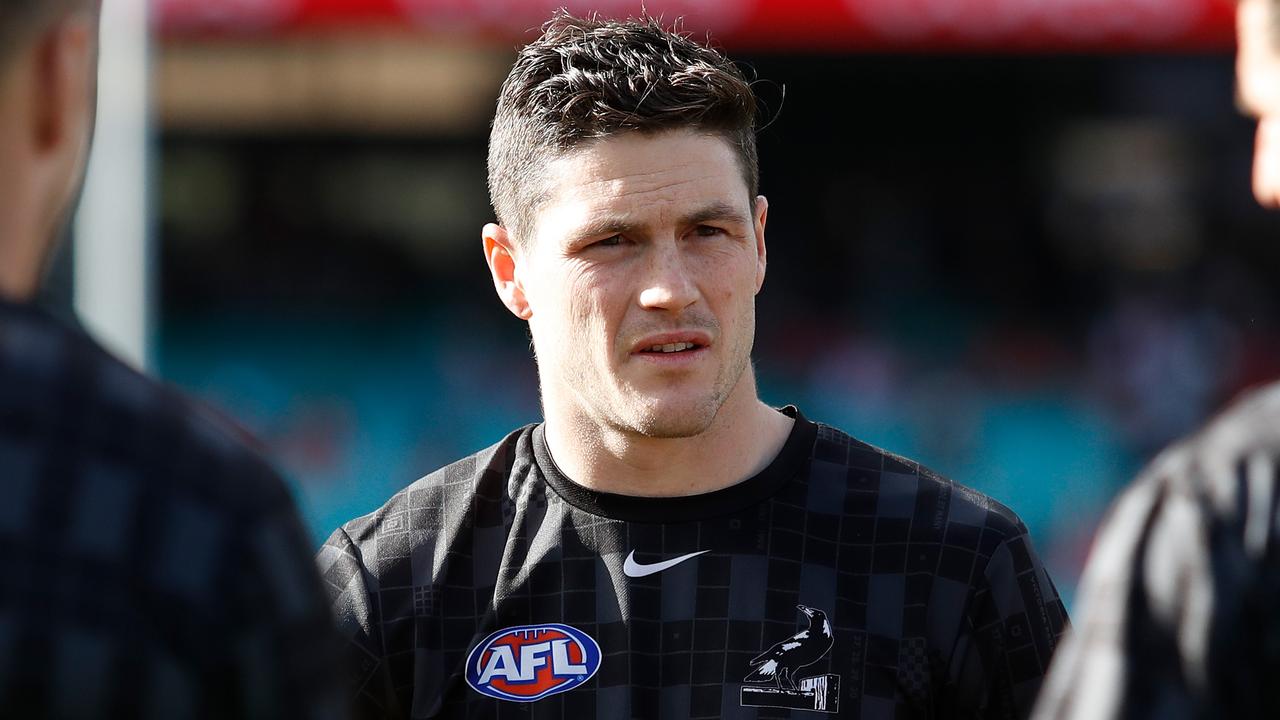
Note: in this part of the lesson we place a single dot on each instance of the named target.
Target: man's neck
(20, 230)
(745, 436)
(18, 281)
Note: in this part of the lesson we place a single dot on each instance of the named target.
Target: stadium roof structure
(764, 25)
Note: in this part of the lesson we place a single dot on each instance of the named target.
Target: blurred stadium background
(1013, 239)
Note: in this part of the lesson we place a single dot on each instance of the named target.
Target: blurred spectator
(154, 566)
(1162, 369)
(1180, 610)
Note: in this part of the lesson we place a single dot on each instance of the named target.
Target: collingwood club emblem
(773, 682)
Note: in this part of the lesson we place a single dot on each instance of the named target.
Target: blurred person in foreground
(665, 544)
(153, 567)
(1180, 600)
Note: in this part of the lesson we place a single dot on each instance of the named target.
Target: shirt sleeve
(1014, 622)
(367, 672)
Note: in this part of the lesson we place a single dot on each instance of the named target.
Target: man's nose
(1266, 163)
(669, 282)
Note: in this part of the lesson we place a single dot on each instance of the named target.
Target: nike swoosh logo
(636, 570)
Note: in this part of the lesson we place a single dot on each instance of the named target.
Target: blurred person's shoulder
(1183, 580)
(1197, 529)
(906, 488)
(1229, 467)
(118, 488)
(63, 392)
(456, 494)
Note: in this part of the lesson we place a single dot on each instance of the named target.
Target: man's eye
(609, 241)
(708, 231)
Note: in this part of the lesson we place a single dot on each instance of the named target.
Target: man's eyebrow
(715, 211)
(605, 225)
(621, 225)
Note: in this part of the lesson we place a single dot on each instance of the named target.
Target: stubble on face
(590, 324)
(623, 407)
(643, 415)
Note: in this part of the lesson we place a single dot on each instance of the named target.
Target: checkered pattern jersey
(939, 606)
(1180, 600)
(152, 566)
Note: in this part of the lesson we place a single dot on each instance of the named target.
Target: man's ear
(64, 95)
(761, 215)
(503, 257)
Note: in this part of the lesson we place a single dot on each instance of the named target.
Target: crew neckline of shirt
(632, 508)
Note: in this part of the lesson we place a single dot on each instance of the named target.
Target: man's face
(640, 278)
(1258, 81)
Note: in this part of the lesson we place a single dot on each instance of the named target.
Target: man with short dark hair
(1180, 600)
(153, 566)
(665, 544)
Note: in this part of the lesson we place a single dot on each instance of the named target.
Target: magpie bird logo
(778, 666)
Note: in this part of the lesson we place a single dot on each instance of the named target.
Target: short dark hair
(20, 18)
(587, 78)
(16, 18)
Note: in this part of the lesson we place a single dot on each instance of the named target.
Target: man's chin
(671, 430)
(674, 419)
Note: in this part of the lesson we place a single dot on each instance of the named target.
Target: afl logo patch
(530, 662)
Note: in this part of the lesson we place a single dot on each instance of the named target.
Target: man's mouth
(671, 347)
